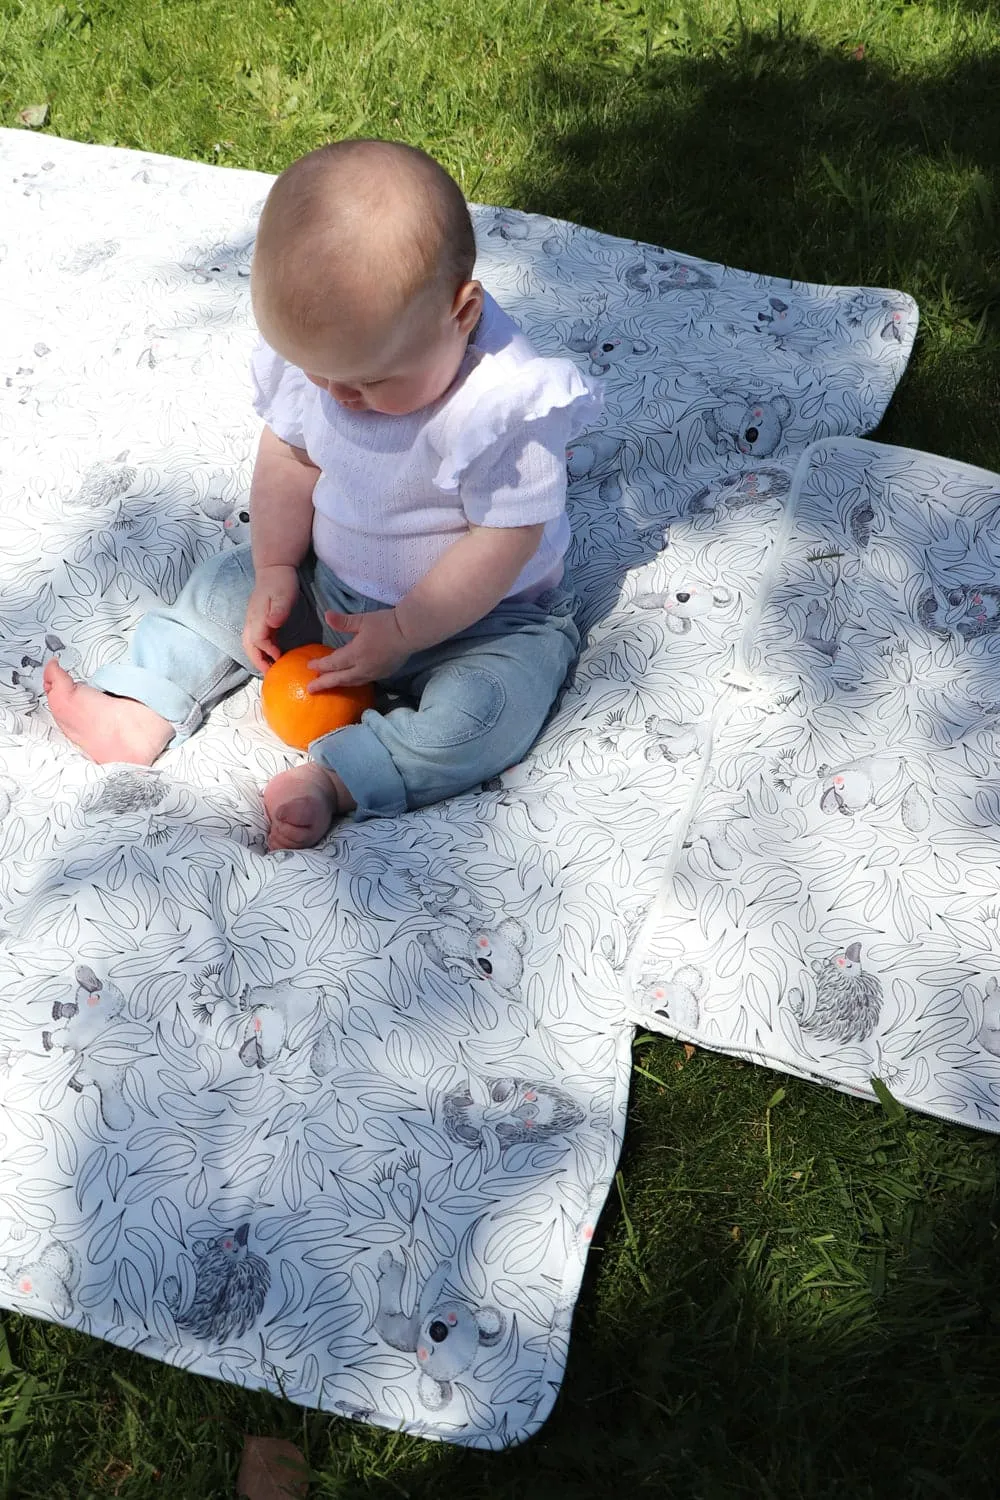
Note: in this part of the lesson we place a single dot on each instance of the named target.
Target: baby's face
(394, 367)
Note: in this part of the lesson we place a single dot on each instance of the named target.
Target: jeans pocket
(228, 588)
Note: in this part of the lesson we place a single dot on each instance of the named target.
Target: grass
(792, 1293)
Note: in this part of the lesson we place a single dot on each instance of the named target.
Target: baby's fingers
(343, 677)
(345, 624)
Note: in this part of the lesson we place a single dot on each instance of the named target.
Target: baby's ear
(467, 308)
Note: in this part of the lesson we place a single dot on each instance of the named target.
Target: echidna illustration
(231, 1283)
(846, 1002)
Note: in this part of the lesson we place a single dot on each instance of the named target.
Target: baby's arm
(281, 518)
(464, 584)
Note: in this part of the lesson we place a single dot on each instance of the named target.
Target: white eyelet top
(394, 492)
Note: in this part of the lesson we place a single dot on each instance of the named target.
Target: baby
(409, 491)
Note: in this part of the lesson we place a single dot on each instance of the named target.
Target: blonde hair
(354, 214)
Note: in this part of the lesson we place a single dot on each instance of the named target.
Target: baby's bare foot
(104, 727)
(302, 803)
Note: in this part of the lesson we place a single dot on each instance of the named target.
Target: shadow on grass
(780, 157)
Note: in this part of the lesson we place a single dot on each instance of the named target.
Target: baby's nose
(341, 392)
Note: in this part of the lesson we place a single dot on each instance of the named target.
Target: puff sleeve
(279, 390)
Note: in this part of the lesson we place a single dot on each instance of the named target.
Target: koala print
(819, 631)
(609, 351)
(513, 1109)
(230, 1288)
(988, 1032)
(715, 834)
(524, 786)
(666, 739)
(445, 1333)
(235, 519)
(593, 455)
(277, 1020)
(493, 954)
(965, 610)
(28, 674)
(873, 781)
(48, 1279)
(509, 227)
(677, 999)
(789, 327)
(97, 1018)
(683, 605)
(753, 427)
(220, 263)
(845, 1002)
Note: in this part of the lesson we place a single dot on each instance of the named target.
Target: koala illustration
(681, 606)
(739, 491)
(275, 1018)
(184, 348)
(873, 781)
(593, 454)
(486, 953)
(514, 1109)
(230, 1288)
(219, 262)
(988, 1034)
(608, 350)
(965, 610)
(235, 519)
(846, 1002)
(30, 672)
(788, 326)
(818, 630)
(445, 1334)
(879, 315)
(714, 832)
(96, 1022)
(746, 425)
(48, 1278)
(509, 226)
(524, 786)
(677, 999)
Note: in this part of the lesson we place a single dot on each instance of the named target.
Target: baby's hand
(275, 591)
(377, 650)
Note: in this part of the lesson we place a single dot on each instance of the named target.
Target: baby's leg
(182, 659)
(105, 727)
(483, 698)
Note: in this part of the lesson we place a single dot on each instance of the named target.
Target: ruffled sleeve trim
(499, 396)
(278, 390)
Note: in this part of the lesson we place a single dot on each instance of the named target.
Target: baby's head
(362, 274)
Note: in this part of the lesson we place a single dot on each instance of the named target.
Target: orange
(298, 717)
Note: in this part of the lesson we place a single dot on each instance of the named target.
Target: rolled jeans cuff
(125, 680)
(365, 767)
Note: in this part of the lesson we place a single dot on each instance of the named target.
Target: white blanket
(830, 905)
(340, 1123)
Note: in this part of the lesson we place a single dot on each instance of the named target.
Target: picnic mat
(340, 1123)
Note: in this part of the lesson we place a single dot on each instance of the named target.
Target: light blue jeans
(464, 710)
